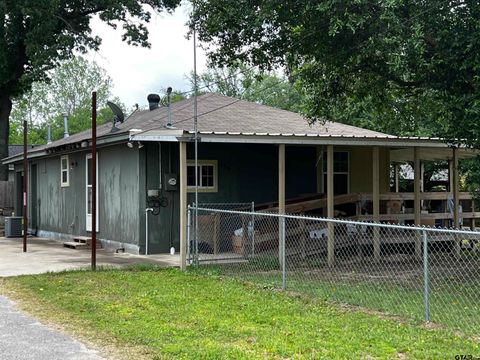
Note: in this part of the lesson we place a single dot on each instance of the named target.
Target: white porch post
(183, 205)
(397, 177)
(416, 201)
(330, 207)
(376, 200)
(281, 200)
(456, 200)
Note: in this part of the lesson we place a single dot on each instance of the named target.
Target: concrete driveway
(45, 255)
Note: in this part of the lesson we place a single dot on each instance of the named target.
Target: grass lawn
(167, 314)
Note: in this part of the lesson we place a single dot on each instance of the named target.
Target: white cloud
(138, 71)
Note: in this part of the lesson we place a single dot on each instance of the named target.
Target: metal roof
(225, 118)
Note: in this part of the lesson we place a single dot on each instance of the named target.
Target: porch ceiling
(406, 154)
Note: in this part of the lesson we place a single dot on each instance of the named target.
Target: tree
(68, 91)
(36, 35)
(249, 83)
(402, 66)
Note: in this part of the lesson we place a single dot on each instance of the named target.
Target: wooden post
(281, 199)
(456, 201)
(397, 177)
(319, 169)
(330, 207)
(416, 201)
(183, 205)
(376, 200)
(472, 220)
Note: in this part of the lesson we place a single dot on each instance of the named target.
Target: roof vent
(153, 101)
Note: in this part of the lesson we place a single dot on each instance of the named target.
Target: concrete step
(75, 245)
(81, 242)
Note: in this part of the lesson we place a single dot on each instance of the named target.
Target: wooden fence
(6, 194)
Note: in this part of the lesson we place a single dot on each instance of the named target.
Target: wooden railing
(389, 213)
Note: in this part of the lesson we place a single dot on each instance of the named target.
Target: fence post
(195, 235)
(426, 289)
(282, 252)
(189, 247)
(253, 228)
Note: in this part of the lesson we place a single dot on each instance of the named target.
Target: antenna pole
(94, 180)
(195, 129)
(25, 186)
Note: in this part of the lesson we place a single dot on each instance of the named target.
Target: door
(88, 192)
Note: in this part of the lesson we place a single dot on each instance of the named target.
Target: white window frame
(336, 172)
(201, 188)
(88, 217)
(67, 171)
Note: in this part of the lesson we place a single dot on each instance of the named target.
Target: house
(247, 152)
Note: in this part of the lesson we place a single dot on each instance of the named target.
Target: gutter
(80, 146)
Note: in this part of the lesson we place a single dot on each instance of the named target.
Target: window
(340, 172)
(207, 176)
(64, 171)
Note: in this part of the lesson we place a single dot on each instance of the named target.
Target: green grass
(167, 314)
(453, 301)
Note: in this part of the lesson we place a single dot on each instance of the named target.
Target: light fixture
(130, 144)
(140, 145)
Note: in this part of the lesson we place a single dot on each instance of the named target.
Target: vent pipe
(169, 121)
(65, 126)
(49, 134)
(153, 101)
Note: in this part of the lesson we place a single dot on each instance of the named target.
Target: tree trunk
(5, 109)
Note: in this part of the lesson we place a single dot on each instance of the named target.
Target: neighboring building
(242, 150)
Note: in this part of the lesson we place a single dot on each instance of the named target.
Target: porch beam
(330, 207)
(376, 199)
(183, 205)
(416, 199)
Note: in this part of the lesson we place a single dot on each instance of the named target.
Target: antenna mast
(195, 129)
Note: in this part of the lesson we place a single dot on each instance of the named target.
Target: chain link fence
(414, 272)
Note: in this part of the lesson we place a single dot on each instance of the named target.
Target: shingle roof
(225, 115)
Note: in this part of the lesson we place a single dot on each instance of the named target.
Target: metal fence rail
(414, 272)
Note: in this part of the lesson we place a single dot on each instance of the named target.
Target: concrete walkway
(45, 255)
(24, 338)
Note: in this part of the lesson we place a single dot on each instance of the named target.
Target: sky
(137, 72)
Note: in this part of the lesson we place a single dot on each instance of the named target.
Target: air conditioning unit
(13, 226)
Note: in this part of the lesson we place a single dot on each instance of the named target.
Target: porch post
(281, 206)
(376, 200)
(330, 207)
(397, 185)
(456, 200)
(183, 205)
(416, 201)
(319, 169)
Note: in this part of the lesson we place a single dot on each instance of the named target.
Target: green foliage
(36, 36)
(249, 83)
(67, 92)
(404, 67)
(168, 314)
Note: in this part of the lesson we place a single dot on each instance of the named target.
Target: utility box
(171, 182)
(13, 226)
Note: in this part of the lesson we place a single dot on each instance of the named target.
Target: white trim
(62, 170)
(88, 217)
(201, 163)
